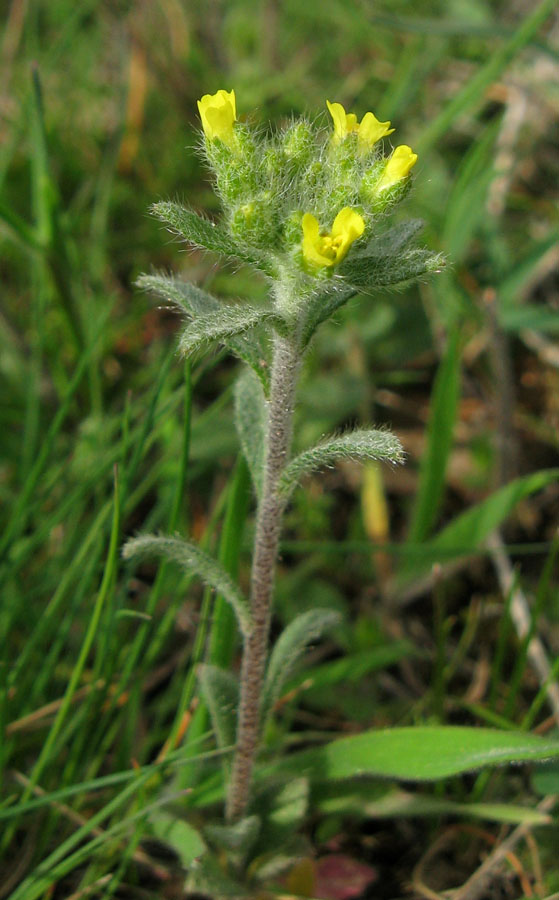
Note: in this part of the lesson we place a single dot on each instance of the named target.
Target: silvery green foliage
(192, 302)
(220, 690)
(251, 420)
(360, 444)
(192, 559)
(222, 325)
(238, 838)
(289, 649)
(206, 234)
(391, 270)
(208, 877)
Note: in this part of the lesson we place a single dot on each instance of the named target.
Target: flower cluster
(305, 195)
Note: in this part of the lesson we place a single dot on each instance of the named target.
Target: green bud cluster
(306, 196)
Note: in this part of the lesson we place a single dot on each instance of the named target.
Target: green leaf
(208, 877)
(395, 803)
(521, 275)
(193, 301)
(203, 233)
(440, 429)
(392, 241)
(188, 297)
(192, 559)
(321, 306)
(422, 753)
(468, 532)
(220, 689)
(289, 649)
(251, 420)
(237, 838)
(360, 444)
(222, 325)
(352, 667)
(473, 526)
(382, 271)
(183, 837)
(475, 90)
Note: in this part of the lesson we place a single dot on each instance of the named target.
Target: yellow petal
(312, 242)
(330, 248)
(347, 227)
(371, 130)
(218, 113)
(339, 118)
(398, 166)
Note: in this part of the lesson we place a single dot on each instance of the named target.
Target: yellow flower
(329, 249)
(218, 113)
(368, 132)
(397, 167)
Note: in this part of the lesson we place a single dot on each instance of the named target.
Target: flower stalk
(285, 370)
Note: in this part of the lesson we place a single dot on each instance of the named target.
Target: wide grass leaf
(424, 753)
(467, 533)
(439, 442)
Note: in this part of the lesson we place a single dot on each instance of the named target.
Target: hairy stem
(285, 370)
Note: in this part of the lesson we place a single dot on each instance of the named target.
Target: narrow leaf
(221, 693)
(289, 649)
(185, 840)
(237, 838)
(251, 420)
(361, 444)
(203, 233)
(439, 442)
(392, 241)
(380, 271)
(421, 753)
(193, 301)
(222, 325)
(321, 307)
(191, 558)
(468, 532)
(396, 803)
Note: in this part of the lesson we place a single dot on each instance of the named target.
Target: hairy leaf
(237, 838)
(392, 241)
(321, 306)
(251, 420)
(191, 558)
(193, 302)
(381, 271)
(363, 443)
(289, 649)
(221, 693)
(204, 233)
(221, 325)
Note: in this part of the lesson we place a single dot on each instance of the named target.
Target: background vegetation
(444, 570)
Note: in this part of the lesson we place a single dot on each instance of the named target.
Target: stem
(285, 369)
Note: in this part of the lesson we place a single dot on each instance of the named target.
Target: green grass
(105, 433)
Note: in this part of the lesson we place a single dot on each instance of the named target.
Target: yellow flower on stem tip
(329, 249)
(218, 113)
(397, 167)
(368, 132)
